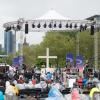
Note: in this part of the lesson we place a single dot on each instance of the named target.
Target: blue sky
(12, 10)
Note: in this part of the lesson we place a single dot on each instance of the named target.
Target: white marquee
(52, 15)
(51, 21)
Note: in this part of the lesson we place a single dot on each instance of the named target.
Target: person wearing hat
(94, 89)
(11, 88)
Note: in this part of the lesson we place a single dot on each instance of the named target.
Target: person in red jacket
(80, 81)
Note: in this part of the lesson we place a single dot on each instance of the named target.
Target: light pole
(21, 22)
(14, 42)
(77, 44)
(96, 45)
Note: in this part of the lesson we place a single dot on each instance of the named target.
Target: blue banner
(69, 58)
(79, 60)
(20, 59)
(17, 61)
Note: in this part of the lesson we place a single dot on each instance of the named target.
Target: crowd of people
(62, 78)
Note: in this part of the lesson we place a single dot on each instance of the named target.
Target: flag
(79, 61)
(69, 58)
(20, 60)
(15, 61)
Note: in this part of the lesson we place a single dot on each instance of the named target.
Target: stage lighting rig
(66, 25)
(81, 28)
(60, 25)
(55, 25)
(8, 29)
(70, 25)
(50, 25)
(18, 27)
(45, 25)
(33, 25)
(38, 26)
(75, 26)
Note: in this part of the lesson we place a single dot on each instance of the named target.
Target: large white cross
(47, 57)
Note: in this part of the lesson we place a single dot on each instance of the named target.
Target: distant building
(25, 42)
(96, 19)
(92, 18)
(9, 42)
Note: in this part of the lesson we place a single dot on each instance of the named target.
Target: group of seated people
(25, 82)
(84, 82)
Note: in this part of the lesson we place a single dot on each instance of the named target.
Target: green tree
(59, 44)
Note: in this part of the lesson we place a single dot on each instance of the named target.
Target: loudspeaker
(92, 30)
(26, 28)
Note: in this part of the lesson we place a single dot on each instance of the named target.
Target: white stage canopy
(51, 21)
(52, 15)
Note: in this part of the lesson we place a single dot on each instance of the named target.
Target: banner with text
(69, 58)
(17, 61)
(79, 61)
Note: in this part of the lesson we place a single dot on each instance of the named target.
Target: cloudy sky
(12, 10)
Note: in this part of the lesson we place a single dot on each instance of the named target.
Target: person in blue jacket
(1, 96)
(49, 76)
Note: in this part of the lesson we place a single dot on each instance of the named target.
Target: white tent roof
(52, 15)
